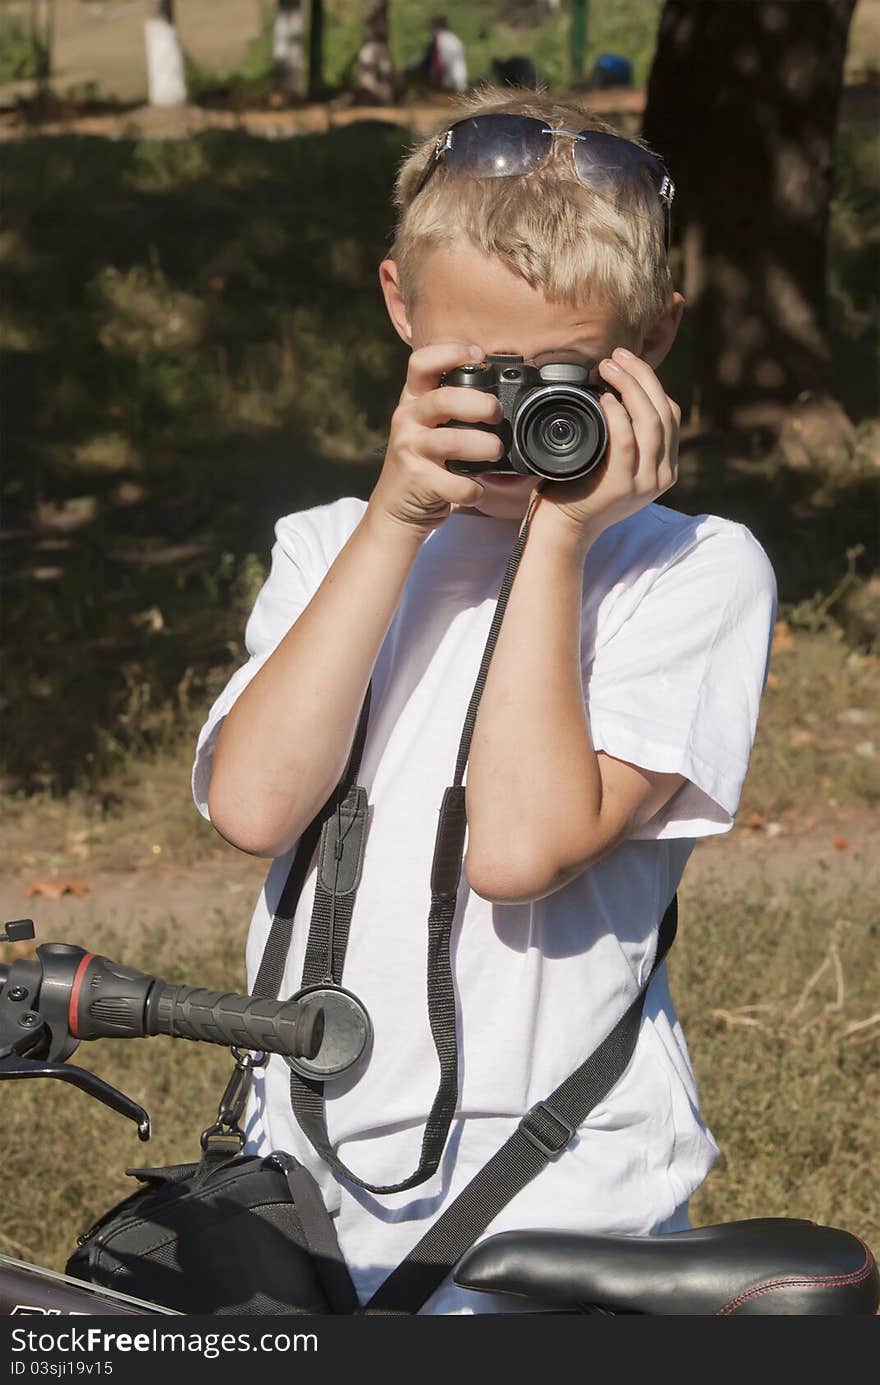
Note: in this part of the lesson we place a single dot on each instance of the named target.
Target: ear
(662, 332)
(389, 279)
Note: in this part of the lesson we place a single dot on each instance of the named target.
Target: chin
(508, 503)
(502, 511)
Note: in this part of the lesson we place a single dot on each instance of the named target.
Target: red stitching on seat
(854, 1277)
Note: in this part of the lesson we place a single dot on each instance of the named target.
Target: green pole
(578, 40)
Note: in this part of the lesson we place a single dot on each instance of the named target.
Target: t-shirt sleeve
(676, 688)
(288, 589)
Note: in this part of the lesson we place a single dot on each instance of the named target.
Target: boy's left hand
(641, 459)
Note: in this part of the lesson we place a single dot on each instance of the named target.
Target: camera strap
(339, 833)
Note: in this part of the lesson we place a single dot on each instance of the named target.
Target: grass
(191, 389)
(61, 1181)
(776, 997)
(814, 749)
(817, 755)
(194, 344)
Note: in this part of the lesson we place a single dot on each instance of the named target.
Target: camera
(553, 425)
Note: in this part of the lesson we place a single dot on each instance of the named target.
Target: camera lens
(559, 431)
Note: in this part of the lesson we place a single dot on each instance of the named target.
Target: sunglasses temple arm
(427, 172)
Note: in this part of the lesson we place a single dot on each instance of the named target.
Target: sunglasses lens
(603, 162)
(496, 146)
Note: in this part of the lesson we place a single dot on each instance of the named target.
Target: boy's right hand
(415, 489)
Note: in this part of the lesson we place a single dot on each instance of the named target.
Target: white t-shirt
(677, 617)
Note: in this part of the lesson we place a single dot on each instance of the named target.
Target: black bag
(231, 1234)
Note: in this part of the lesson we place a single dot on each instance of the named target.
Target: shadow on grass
(195, 344)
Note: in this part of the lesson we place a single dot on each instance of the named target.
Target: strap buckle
(540, 1138)
(226, 1128)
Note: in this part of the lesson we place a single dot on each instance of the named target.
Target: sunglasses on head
(501, 146)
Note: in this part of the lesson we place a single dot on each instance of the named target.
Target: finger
(461, 445)
(451, 401)
(431, 484)
(647, 425)
(638, 403)
(668, 412)
(428, 363)
(634, 366)
(667, 473)
(466, 493)
(621, 450)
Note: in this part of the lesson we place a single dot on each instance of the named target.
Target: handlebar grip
(288, 1027)
(94, 998)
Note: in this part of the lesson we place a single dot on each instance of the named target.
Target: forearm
(284, 743)
(534, 788)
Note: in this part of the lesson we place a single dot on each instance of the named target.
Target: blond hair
(570, 242)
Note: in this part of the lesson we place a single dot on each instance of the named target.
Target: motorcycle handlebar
(108, 999)
(80, 995)
(275, 1026)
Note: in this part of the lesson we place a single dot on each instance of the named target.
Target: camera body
(553, 424)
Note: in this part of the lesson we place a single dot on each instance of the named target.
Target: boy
(615, 725)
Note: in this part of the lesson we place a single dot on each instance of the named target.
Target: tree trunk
(317, 89)
(287, 47)
(166, 83)
(374, 82)
(742, 103)
(42, 36)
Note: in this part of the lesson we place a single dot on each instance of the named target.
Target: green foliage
(854, 266)
(22, 52)
(248, 81)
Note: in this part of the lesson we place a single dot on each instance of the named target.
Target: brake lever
(15, 1066)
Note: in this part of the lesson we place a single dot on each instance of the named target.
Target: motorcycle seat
(771, 1265)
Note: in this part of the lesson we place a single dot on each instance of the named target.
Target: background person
(444, 62)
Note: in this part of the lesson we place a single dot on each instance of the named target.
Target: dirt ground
(181, 122)
(219, 892)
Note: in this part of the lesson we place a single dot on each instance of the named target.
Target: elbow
(519, 881)
(527, 876)
(244, 830)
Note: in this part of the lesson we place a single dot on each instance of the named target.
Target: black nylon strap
(492, 639)
(543, 1134)
(272, 963)
(306, 1095)
(271, 971)
(320, 1235)
(332, 911)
